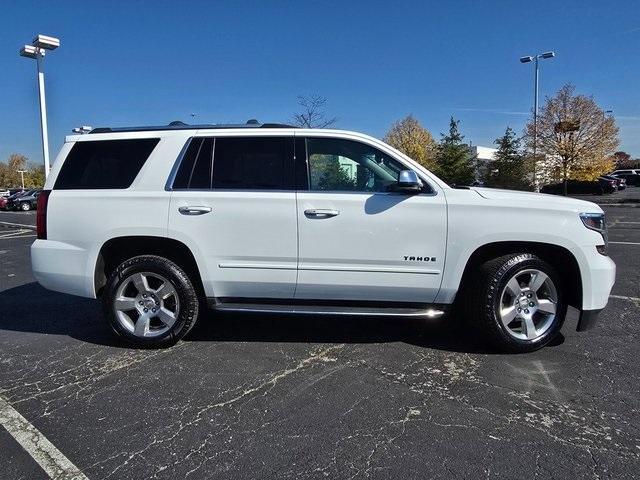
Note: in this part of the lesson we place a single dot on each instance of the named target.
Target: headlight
(596, 221)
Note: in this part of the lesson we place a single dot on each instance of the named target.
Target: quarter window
(104, 164)
(345, 165)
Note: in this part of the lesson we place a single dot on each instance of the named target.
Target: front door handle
(321, 212)
(194, 210)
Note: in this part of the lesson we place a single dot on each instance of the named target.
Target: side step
(427, 312)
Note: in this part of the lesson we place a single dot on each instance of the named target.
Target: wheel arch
(564, 262)
(116, 250)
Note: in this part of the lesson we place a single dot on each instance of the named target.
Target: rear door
(358, 241)
(233, 204)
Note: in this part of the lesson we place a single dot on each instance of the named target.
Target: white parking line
(625, 243)
(31, 227)
(17, 234)
(52, 461)
(622, 297)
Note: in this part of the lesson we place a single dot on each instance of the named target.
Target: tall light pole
(22, 172)
(535, 59)
(37, 50)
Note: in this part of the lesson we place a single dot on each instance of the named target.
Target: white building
(483, 158)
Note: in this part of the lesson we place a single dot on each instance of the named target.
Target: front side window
(348, 166)
(104, 164)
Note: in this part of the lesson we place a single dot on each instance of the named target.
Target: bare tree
(312, 114)
(574, 130)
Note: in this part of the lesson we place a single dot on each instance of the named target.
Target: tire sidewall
(498, 284)
(189, 304)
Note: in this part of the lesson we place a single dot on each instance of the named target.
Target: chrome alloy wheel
(528, 304)
(146, 304)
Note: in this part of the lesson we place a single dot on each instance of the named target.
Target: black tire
(484, 296)
(25, 206)
(190, 303)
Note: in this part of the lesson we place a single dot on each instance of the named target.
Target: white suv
(161, 222)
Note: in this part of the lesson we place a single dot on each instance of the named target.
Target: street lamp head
(526, 59)
(46, 42)
(547, 55)
(29, 51)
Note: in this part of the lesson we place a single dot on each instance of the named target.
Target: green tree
(454, 162)
(327, 174)
(34, 177)
(412, 139)
(507, 170)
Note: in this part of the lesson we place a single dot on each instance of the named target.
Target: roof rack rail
(178, 125)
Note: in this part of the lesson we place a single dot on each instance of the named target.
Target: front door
(359, 241)
(233, 204)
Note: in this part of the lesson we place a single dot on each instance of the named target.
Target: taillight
(41, 214)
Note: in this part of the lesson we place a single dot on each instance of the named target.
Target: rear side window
(237, 163)
(259, 163)
(104, 164)
(195, 168)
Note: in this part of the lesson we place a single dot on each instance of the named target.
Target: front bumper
(588, 320)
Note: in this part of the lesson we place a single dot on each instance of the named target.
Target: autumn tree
(507, 170)
(312, 114)
(573, 129)
(623, 160)
(454, 161)
(9, 176)
(412, 139)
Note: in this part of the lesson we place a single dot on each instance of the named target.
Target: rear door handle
(321, 212)
(194, 210)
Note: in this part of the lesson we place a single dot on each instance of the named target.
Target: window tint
(104, 164)
(195, 168)
(345, 165)
(261, 163)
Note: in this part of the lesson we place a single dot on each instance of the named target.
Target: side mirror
(408, 182)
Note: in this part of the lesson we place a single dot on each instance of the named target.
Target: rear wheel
(150, 301)
(25, 206)
(518, 303)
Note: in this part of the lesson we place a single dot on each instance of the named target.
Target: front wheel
(518, 302)
(25, 206)
(150, 301)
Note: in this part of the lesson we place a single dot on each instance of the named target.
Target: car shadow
(31, 308)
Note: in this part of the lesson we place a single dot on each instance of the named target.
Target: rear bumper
(62, 267)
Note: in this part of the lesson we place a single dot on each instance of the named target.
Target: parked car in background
(25, 202)
(4, 192)
(599, 187)
(4, 201)
(621, 183)
(632, 171)
(630, 178)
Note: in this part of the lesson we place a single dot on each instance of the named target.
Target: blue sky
(133, 62)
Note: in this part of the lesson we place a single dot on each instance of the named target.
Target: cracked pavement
(249, 396)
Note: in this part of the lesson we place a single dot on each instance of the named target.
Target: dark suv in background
(25, 201)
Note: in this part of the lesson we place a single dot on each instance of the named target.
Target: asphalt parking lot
(279, 397)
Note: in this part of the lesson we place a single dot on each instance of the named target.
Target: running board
(327, 310)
